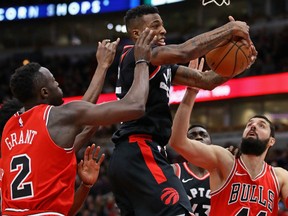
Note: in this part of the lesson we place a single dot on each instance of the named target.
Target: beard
(252, 146)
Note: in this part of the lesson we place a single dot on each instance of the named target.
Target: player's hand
(143, 45)
(240, 32)
(234, 150)
(106, 52)
(88, 169)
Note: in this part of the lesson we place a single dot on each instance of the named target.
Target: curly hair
(25, 81)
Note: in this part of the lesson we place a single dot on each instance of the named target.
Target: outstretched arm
(69, 118)
(88, 171)
(195, 78)
(203, 43)
(105, 55)
(202, 155)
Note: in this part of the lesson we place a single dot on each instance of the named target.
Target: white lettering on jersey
(201, 192)
(167, 77)
(241, 192)
(21, 137)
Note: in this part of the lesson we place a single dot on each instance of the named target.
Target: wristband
(86, 185)
(142, 61)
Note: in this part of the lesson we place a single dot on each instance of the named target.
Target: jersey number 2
(19, 188)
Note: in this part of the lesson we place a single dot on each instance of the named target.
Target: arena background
(63, 36)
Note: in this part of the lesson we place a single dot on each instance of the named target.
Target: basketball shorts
(143, 182)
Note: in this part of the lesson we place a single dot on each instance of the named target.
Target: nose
(198, 137)
(253, 127)
(163, 30)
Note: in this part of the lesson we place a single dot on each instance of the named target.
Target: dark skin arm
(202, 44)
(197, 47)
(67, 120)
(105, 55)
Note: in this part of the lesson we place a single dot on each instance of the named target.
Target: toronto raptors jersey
(197, 189)
(243, 196)
(39, 176)
(157, 120)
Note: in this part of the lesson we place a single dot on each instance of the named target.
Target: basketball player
(142, 179)
(37, 145)
(104, 55)
(196, 179)
(239, 186)
(88, 169)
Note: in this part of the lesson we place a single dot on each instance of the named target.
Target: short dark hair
(197, 125)
(271, 125)
(7, 110)
(139, 11)
(25, 80)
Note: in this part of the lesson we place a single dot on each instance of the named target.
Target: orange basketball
(230, 59)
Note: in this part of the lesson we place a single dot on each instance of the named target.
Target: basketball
(230, 59)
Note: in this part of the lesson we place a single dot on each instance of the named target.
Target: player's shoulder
(280, 172)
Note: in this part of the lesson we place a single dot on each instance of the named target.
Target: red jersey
(241, 195)
(39, 176)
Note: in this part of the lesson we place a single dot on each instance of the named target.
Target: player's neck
(199, 171)
(254, 164)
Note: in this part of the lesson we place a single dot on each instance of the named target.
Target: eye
(262, 126)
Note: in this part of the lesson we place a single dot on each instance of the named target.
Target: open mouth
(161, 42)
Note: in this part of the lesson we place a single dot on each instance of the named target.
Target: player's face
(155, 23)
(54, 92)
(200, 134)
(256, 137)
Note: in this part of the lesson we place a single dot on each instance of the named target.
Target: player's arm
(88, 171)
(69, 118)
(105, 55)
(202, 155)
(192, 77)
(132, 105)
(202, 44)
(194, 151)
(282, 176)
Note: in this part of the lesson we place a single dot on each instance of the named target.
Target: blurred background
(63, 36)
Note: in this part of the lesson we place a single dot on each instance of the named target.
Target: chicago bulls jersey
(157, 120)
(241, 195)
(39, 176)
(197, 189)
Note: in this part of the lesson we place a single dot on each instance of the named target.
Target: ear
(44, 93)
(272, 141)
(135, 33)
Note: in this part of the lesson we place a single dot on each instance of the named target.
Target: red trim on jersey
(146, 151)
(233, 170)
(154, 72)
(275, 179)
(177, 170)
(126, 47)
(185, 164)
(261, 173)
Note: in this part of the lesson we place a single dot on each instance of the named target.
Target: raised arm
(194, 78)
(211, 157)
(105, 55)
(70, 117)
(202, 44)
(200, 154)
